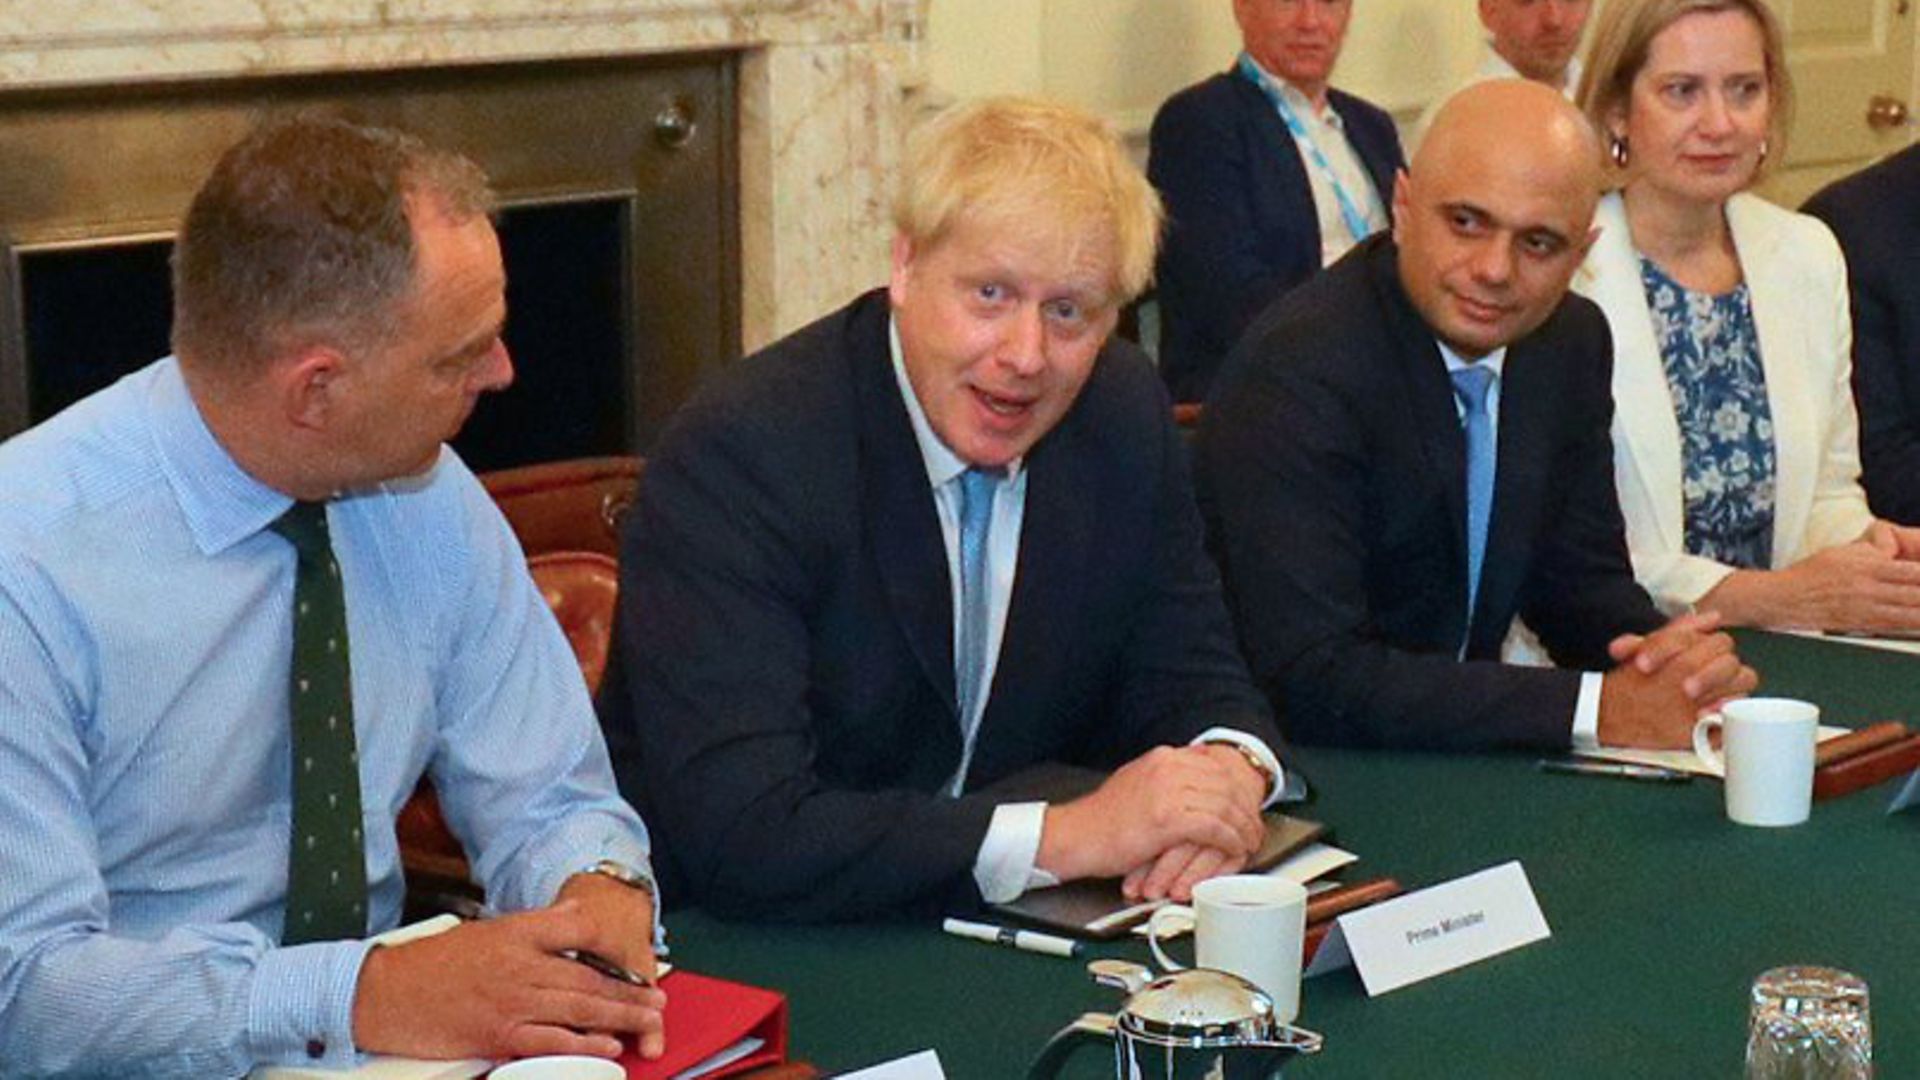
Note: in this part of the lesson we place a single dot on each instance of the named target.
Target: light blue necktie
(977, 488)
(1470, 385)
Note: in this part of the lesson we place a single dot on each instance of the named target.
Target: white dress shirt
(1005, 866)
(1327, 131)
(1586, 708)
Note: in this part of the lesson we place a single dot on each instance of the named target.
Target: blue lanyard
(1349, 212)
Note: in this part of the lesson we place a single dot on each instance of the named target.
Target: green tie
(326, 867)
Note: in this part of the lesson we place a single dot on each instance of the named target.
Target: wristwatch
(1254, 760)
(625, 875)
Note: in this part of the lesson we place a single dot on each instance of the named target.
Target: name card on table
(1410, 938)
(924, 1065)
(1908, 796)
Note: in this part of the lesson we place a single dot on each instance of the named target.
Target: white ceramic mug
(1768, 761)
(1251, 925)
(560, 1067)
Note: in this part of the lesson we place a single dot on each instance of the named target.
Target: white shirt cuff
(1586, 712)
(1004, 868)
(1285, 785)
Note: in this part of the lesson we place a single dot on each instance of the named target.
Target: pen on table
(608, 968)
(1025, 940)
(1614, 768)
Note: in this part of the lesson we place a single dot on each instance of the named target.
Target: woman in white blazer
(1735, 438)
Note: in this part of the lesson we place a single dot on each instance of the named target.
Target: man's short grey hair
(301, 236)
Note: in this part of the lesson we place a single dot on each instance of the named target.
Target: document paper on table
(1679, 760)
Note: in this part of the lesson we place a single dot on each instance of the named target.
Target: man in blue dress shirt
(339, 301)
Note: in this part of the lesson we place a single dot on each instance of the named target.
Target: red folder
(706, 1015)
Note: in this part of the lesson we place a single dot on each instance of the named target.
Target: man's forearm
(197, 1002)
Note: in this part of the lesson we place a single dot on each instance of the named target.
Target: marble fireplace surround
(824, 87)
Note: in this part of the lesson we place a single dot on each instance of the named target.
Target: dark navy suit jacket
(1875, 214)
(1332, 469)
(1241, 225)
(780, 700)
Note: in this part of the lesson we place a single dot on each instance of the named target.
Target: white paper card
(1884, 642)
(1909, 794)
(1332, 955)
(1314, 861)
(924, 1065)
(379, 1067)
(1417, 936)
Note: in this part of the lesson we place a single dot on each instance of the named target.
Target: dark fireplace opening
(97, 311)
(620, 231)
(566, 328)
(93, 313)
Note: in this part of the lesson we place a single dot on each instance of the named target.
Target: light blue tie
(977, 487)
(1470, 385)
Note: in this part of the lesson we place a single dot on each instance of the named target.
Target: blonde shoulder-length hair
(1623, 40)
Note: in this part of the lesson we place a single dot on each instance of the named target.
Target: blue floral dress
(1711, 352)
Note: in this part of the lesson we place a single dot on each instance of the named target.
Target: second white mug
(1251, 925)
(1768, 759)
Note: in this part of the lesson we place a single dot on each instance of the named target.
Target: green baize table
(1662, 913)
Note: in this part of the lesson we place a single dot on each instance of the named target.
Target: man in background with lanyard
(1268, 174)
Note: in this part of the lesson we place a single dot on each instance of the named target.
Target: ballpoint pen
(608, 968)
(1619, 769)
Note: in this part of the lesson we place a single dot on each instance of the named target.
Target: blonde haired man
(886, 578)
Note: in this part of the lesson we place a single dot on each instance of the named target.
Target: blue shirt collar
(1495, 361)
(222, 503)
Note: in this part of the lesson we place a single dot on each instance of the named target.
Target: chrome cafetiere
(1189, 1025)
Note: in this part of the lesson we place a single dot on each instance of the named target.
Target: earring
(1765, 149)
(1617, 150)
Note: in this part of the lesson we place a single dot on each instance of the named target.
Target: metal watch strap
(1253, 760)
(625, 875)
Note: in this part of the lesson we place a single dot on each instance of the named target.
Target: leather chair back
(575, 505)
(567, 515)
(581, 588)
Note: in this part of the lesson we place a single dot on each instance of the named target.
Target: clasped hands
(1665, 680)
(1871, 584)
(500, 988)
(1162, 822)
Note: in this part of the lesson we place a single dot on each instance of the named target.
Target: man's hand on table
(1164, 820)
(626, 913)
(500, 988)
(1177, 870)
(1666, 679)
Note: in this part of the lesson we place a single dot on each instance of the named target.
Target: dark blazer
(780, 700)
(1332, 469)
(1875, 214)
(1241, 227)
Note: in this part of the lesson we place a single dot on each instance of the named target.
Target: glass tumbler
(1809, 1023)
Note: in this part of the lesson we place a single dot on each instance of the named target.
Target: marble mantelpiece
(823, 88)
